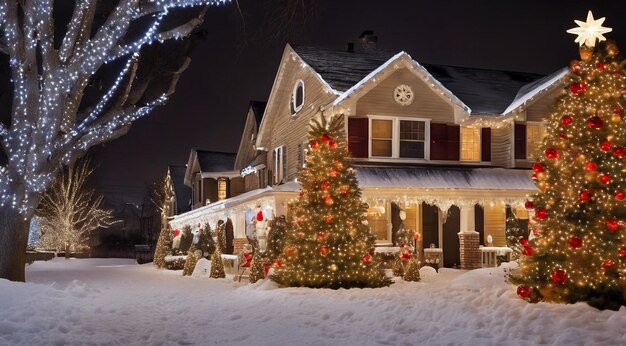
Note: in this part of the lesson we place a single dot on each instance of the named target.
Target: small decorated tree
(217, 266)
(578, 252)
(398, 267)
(276, 238)
(329, 243)
(412, 272)
(256, 268)
(163, 247)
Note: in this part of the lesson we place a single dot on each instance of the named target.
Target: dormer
(212, 177)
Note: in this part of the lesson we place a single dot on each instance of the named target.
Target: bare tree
(76, 84)
(69, 211)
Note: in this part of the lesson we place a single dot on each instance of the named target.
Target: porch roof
(444, 178)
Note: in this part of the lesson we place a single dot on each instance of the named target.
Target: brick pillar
(470, 255)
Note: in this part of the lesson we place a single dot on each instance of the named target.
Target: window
(470, 143)
(382, 137)
(303, 152)
(399, 137)
(534, 136)
(297, 97)
(377, 220)
(221, 189)
(279, 158)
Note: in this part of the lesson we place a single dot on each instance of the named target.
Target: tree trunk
(13, 241)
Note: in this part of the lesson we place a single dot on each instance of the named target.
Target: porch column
(469, 238)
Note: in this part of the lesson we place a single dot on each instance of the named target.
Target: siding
(426, 104)
(210, 190)
(495, 224)
(236, 186)
(502, 145)
(280, 127)
(541, 108)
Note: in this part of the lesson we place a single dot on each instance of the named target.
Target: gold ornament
(333, 267)
(616, 118)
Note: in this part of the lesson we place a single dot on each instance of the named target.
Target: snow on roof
(530, 90)
(444, 178)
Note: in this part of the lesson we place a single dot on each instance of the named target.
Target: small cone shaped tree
(217, 266)
(577, 246)
(412, 272)
(163, 247)
(329, 243)
(256, 268)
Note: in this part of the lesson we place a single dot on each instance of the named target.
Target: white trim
(278, 165)
(540, 88)
(294, 109)
(395, 138)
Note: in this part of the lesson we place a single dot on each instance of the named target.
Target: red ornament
(325, 185)
(328, 200)
(578, 88)
(541, 214)
(367, 258)
(277, 264)
(605, 145)
(619, 152)
(523, 241)
(605, 178)
(620, 195)
(574, 66)
(595, 122)
(585, 195)
(176, 233)
(345, 189)
(562, 135)
(405, 255)
(324, 250)
(607, 264)
(534, 177)
(332, 144)
(618, 110)
(325, 138)
(601, 66)
(314, 144)
(290, 250)
(566, 120)
(538, 167)
(328, 218)
(536, 232)
(334, 172)
(524, 291)
(301, 193)
(591, 166)
(622, 252)
(529, 205)
(559, 276)
(575, 242)
(612, 225)
(528, 250)
(552, 153)
(259, 216)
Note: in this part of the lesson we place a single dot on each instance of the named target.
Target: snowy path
(116, 302)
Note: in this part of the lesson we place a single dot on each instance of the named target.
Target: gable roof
(182, 191)
(258, 108)
(213, 161)
(483, 91)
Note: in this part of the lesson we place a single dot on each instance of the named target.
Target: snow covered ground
(117, 302)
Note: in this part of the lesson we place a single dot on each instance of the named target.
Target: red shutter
(485, 144)
(438, 141)
(520, 142)
(454, 149)
(358, 136)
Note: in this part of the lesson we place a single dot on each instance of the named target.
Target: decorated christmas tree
(217, 266)
(329, 243)
(577, 249)
(275, 238)
(256, 268)
(412, 272)
(163, 247)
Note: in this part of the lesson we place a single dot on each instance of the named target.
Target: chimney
(368, 40)
(350, 47)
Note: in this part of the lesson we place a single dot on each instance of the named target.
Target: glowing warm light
(590, 31)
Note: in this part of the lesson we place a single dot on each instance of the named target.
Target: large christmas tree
(329, 243)
(577, 250)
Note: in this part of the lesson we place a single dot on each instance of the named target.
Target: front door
(430, 225)
(451, 246)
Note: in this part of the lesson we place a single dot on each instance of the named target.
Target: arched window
(297, 97)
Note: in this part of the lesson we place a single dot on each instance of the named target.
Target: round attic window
(297, 97)
(403, 94)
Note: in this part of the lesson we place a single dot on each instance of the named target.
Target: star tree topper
(589, 31)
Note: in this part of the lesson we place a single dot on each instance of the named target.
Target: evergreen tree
(276, 237)
(329, 243)
(412, 272)
(398, 267)
(217, 266)
(193, 255)
(256, 268)
(578, 252)
(207, 244)
(163, 247)
(185, 240)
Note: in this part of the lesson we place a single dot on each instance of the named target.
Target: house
(212, 177)
(450, 146)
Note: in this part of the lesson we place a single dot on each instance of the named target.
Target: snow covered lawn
(117, 302)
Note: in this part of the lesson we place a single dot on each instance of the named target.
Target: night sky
(239, 59)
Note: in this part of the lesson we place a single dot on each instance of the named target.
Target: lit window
(297, 97)
(534, 136)
(382, 137)
(398, 138)
(221, 189)
(470, 143)
(377, 220)
(279, 157)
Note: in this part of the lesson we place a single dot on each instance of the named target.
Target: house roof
(258, 108)
(444, 178)
(483, 91)
(182, 191)
(213, 161)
